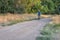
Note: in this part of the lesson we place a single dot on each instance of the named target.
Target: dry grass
(21, 17)
(45, 16)
(13, 17)
(56, 19)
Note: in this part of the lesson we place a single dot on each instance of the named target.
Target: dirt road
(28, 30)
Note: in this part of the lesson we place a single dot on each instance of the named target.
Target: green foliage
(52, 6)
(48, 32)
(29, 6)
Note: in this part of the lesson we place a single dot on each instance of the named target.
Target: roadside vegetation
(10, 19)
(52, 30)
(49, 32)
(14, 11)
(56, 19)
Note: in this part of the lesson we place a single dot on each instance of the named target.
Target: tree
(51, 5)
(30, 6)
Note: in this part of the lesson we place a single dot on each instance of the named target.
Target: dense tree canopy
(30, 6)
(51, 6)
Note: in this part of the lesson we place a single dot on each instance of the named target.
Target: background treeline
(30, 6)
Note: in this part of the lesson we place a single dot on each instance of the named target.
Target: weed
(48, 31)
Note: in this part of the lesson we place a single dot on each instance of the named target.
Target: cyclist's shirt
(38, 13)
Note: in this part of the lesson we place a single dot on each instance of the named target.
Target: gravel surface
(28, 30)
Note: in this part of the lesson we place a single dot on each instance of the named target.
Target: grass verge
(10, 19)
(48, 32)
(16, 21)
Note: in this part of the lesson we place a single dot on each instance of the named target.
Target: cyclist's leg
(38, 17)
